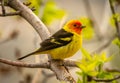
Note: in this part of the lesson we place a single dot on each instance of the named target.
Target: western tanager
(64, 43)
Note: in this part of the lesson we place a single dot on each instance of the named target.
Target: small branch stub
(61, 72)
(11, 14)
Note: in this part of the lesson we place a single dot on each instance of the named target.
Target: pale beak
(83, 26)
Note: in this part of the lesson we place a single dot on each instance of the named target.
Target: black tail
(33, 53)
(23, 57)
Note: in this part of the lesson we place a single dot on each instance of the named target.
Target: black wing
(58, 39)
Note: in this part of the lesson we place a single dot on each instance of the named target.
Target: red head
(74, 26)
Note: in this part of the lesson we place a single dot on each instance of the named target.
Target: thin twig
(3, 7)
(27, 3)
(11, 14)
(14, 13)
(33, 8)
(106, 80)
(115, 19)
(105, 45)
(112, 70)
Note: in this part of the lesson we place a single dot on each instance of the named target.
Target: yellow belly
(68, 50)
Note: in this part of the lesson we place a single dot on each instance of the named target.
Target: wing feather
(57, 40)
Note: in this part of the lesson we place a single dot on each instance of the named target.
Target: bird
(62, 44)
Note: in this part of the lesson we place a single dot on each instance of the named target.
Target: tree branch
(69, 63)
(27, 65)
(28, 15)
(56, 66)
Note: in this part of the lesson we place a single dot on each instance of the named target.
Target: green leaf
(103, 57)
(116, 41)
(79, 73)
(82, 67)
(109, 58)
(86, 54)
(79, 81)
(92, 66)
(113, 17)
(88, 32)
(96, 58)
(92, 73)
(51, 12)
(93, 81)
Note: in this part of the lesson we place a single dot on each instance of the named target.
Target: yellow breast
(67, 50)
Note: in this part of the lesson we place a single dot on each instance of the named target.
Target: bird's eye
(74, 25)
